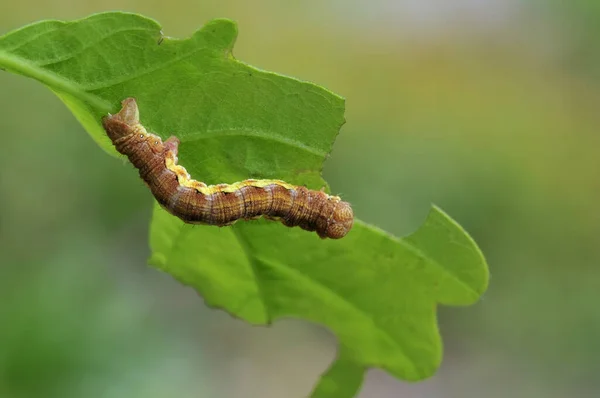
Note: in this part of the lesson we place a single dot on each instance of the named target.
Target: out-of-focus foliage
(578, 22)
(44, 334)
(476, 106)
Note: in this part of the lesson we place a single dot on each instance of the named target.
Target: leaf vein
(243, 132)
(91, 44)
(349, 303)
(29, 40)
(418, 252)
(124, 78)
(252, 261)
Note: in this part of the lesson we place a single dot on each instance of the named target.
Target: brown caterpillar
(223, 204)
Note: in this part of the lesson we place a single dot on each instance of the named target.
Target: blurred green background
(487, 108)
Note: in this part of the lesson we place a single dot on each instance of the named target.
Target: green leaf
(377, 293)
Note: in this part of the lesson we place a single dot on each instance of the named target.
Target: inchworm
(222, 204)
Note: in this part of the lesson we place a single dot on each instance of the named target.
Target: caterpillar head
(340, 222)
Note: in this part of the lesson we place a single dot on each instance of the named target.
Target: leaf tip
(459, 236)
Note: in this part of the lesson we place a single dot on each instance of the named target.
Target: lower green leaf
(377, 293)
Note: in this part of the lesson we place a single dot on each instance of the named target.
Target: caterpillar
(195, 202)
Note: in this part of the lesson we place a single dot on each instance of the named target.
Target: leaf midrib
(252, 258)
(350, 304)
(52, 80)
